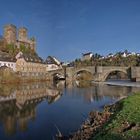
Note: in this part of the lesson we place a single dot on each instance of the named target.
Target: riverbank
(120, 121)
(126, 83)
(124, 123)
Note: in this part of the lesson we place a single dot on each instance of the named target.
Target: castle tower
(33, 44)
(22, 34)
(10, 34)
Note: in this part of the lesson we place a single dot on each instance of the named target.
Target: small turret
(33, 44)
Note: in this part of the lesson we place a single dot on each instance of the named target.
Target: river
(35, 111)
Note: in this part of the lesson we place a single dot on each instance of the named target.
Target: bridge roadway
(99, 73)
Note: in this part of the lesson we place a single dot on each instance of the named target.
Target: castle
(17, 37)
(23, 62)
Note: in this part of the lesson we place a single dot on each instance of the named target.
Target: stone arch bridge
(99, 73)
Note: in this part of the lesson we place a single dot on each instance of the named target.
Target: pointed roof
(30, 57)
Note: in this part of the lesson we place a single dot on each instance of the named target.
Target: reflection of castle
(35, 93)
(10, 37)
(12, 118)
(17, 109)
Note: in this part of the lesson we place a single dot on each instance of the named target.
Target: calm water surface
(34, 111)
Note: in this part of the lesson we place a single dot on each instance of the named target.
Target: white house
(52, 64)
(124, 54)
(8, 61)
(87, 56)
(9, 64)
(110, 55)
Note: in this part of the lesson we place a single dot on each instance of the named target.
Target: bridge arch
(82, 71)
(106, 74)
(57, 75)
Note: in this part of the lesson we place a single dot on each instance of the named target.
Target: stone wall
(10, 36)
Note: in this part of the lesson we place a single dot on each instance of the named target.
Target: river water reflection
(32, 111)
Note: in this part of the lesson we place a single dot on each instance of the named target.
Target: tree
(10, 48)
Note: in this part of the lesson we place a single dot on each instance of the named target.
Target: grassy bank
(124, 124)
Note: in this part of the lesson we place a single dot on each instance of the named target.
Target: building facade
(30, 67)
(86, 56)
(8, 64)
(52, 64)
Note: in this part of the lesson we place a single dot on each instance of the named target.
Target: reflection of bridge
(99, 73)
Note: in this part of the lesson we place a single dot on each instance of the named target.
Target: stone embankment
(92, 125)
(120, 121)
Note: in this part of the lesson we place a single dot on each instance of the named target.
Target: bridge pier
(135, 74)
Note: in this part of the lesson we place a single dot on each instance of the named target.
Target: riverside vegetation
(7, 76)
(110, 60)
(124, 124)
(120, 121)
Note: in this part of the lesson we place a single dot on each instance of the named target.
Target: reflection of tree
(5, 90)
(7, 113)
(16, 112)
(10, 125)
(14, 118)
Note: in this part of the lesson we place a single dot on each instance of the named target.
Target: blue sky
(68, 28)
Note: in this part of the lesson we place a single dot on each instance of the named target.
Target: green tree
(10, 48)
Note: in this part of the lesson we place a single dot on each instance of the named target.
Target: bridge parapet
(101, 69)
(83, 68)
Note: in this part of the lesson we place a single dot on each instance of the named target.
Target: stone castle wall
(10, 34)
(18, 37)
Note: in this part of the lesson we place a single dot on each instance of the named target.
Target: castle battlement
(10, 33)
(18, 37)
